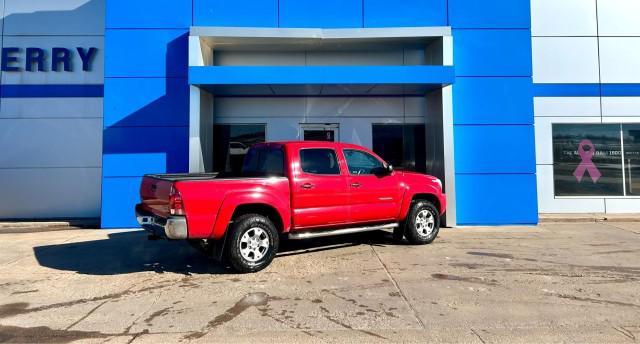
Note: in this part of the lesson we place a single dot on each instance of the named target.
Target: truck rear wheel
(253, 243)
(423, 223)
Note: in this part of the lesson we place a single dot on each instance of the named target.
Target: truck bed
(172, 177)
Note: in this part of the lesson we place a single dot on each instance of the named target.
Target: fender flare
(234, 200)
(410, 193)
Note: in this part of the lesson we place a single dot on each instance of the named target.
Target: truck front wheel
(253, 243)
(423, 223)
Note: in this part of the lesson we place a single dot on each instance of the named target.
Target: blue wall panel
(256, 13)
(173, 142)
(321, 13)
(153, 14)
(146, 53)
(492, 52)
(382, 13)
(513, 14)
(119, 197)
(493, 112)
(493, 100)
(304, 75)
(494, 149)
(496, 199)
(157, 102)
(133, 164)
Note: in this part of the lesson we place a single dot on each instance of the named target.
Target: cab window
(319, 161)
(360, 162)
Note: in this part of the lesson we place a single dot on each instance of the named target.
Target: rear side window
(264, 162)
(319, 161)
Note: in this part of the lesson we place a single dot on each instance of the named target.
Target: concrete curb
(588, 217)
(47, 225)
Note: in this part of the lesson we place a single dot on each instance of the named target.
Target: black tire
(414, 230)
(255, 226)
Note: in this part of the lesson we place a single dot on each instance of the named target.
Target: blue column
(493, 112)
(146, 102)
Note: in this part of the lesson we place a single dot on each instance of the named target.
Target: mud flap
(217, 247)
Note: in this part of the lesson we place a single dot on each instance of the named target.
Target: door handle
(306, 186)
(355, 185)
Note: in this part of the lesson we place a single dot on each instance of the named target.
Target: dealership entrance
(385, 90)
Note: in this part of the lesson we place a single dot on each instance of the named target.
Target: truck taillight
(176, 206)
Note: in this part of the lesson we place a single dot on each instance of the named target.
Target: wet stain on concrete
(156, 314)
(21, 308)
(327, 315)
(490, 254)
(470, 266)
(618, 251)
(43, 334)
(248, 301)
(598, 301)
(25, 292)
(478, 280)
(12, 309)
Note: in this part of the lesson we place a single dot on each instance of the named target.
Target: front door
(375, 196)
(321, 195)
(319, 132)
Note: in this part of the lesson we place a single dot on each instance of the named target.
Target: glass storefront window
(631, 141)
(231, 143)
(587, 160)
(401, 145)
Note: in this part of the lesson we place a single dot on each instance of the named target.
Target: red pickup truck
(293, 190)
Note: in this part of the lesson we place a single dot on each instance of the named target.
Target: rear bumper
(174, 227)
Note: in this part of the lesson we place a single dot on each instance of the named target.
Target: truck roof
(311, 144)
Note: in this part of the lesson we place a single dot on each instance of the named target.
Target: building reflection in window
(231, 143)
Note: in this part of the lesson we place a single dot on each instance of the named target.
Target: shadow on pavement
(130, 252)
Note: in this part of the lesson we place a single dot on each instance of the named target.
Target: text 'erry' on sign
(16, 59)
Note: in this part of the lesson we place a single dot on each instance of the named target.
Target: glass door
(320, 132)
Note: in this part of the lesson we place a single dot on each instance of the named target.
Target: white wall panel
(547, 203)
(54, 17)
(621, 106)
(627, 119)
(50, 193)
(565, 60)
(43, 143)
(543, 134)
(620, 59)
(563, 18)
(366, 58)
(259, 58)
(622, 205)
(262, 107)
(77, 76)
(566, 106)
(51, 108)
(356, 106)
(619, 17)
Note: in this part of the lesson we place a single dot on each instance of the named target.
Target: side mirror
(389, 168)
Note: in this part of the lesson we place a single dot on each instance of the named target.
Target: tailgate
(154, 195)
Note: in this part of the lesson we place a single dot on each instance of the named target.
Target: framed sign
(587, 160)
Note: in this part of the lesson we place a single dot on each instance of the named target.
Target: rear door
(320, 191)
(375, 196)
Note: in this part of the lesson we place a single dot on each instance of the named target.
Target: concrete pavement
(569, 282)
